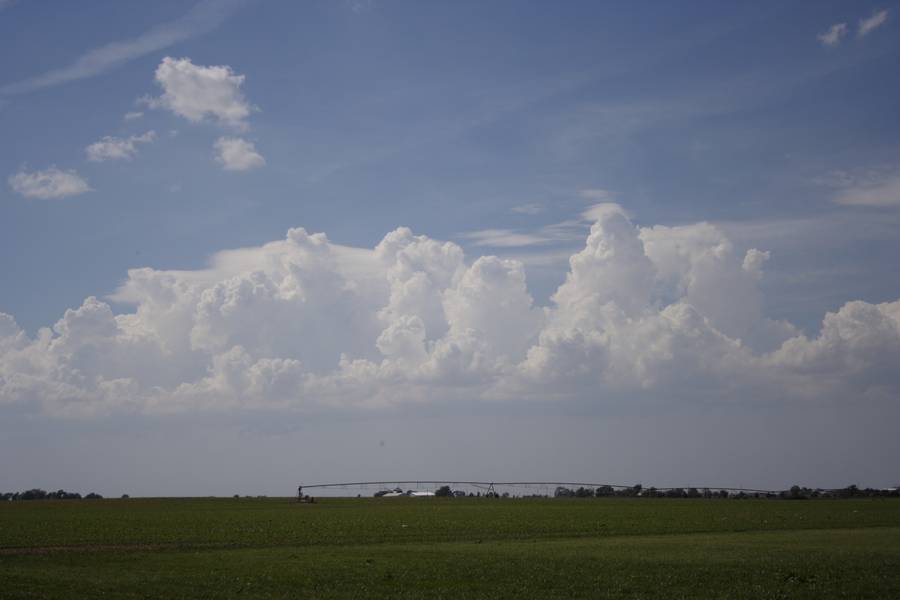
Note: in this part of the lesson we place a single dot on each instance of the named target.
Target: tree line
(796, 492)
(39, 494)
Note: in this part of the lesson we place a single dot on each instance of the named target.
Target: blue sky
(444, 118)
(500, 127)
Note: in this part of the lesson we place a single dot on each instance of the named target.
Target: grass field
(459, 548)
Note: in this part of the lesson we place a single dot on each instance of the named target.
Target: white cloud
(48, 184)
(196, 92)
(555, 233)
(202, 18)
(112, 148)
(754, 261)
(503, 238)
(870, 24)
(237, 154)
(834, 35)
(872, 187)
(884, 193)
(133, 115)
(669, 314)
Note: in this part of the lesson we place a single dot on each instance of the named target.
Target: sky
(251, 243)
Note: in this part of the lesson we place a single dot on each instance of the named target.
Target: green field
(453, 548)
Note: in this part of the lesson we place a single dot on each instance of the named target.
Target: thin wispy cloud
(531, 208)
(833, 36)
(877, 188)
(562, 233)
(113, 148)
(870, 24)
(202, 18)
(596, 195)
(504, 238)
(360, 6)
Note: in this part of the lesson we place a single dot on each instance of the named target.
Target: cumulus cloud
(833, 36)
(113, 148)
(870, 24)
(48, 184)
(237, 154)
(666, 314)
(133, 115)
(197, 92)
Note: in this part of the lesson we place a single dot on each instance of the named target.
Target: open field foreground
(453, 548)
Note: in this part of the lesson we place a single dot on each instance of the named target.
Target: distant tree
(796, 493)
(693, 493)
(563, 492)
(850, 491)
(604, 491)
(444, 492)
(583, 492)
(125, 496)
(63, 495)
(93, 496)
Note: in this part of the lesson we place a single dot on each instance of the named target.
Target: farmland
(460, 547)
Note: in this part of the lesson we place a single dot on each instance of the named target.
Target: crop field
(451, 548)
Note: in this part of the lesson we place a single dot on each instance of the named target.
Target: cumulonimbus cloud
(672, 314)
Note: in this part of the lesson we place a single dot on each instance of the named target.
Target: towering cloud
(669, 314)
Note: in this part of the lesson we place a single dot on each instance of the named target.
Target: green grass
(460, 548)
